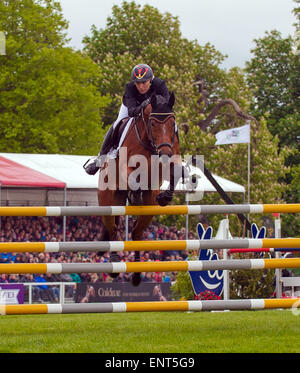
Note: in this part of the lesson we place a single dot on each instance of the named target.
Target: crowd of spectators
(45, 229)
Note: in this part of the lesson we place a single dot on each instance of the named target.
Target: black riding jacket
(132, 99)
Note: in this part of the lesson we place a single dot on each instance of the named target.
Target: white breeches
(123, 113)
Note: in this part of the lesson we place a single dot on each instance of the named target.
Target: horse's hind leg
(111, 198)
(110, 234)
(137, 233)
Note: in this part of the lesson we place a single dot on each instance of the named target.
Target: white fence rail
(61, 285)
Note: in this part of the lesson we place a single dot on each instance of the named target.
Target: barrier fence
(149, 210)
(122, 267)
(207, 305)
(149, 245)
(267, 250)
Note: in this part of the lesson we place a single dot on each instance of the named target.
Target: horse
(152, 132)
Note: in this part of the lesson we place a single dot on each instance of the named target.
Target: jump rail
(149, 210)
(207, 305)
(103, 246)
(168, 266)
(267, 250)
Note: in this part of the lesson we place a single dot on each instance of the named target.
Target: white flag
(237, 135)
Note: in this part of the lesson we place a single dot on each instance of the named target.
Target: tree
(133, 35)
(49, 101)
(296, 12)
(273, 77)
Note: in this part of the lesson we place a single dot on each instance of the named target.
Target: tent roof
(67, 170)
(16, 174)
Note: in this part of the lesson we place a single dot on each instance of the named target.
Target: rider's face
(143, 87)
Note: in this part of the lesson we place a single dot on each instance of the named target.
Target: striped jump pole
(267, 250)
(179, 245)
(149, 210)
(207, 305)
(126, 267)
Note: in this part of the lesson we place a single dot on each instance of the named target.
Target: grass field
(268, 331)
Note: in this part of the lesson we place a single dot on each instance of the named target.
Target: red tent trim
(14, 174)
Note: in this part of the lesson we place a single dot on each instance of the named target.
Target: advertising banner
(122, 292)
(11, 293)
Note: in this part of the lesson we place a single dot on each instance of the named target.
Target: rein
(153, 147)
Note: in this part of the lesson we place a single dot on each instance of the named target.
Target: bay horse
(152, 132)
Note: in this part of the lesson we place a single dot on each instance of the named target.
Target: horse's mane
(161, 100)
(161, 104)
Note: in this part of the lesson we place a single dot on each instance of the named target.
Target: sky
(229, 25)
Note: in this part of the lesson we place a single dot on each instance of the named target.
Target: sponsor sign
(122, 292)
(11, 293)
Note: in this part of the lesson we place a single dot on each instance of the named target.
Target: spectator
(3, 278)
(43, 289)
(22, 229)
(53, 289)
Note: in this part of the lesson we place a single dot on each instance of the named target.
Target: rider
(137, 96)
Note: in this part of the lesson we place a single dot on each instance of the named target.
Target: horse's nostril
(162, 154)
(164, 158)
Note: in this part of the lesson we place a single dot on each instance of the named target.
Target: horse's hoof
(114, 257)
(136, 279)
(163, 199)
(136, 197)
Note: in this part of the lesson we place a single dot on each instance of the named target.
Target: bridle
(153, 147)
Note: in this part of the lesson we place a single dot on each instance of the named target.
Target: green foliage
(134, 34)
(296, 12)
(49, 101)
(182, 287)
(249, 284)
(230, 161)
(273, 76)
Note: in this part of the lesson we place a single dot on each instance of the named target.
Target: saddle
(118, 130)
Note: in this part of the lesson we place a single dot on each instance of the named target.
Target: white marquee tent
(57, 179)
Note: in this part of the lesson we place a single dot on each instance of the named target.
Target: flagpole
(249, 172)
(249, 142)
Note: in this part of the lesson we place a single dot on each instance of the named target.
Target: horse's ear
(171, 100)
(153, 101)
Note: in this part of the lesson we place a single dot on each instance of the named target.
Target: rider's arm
(130, 101)
(133, 107)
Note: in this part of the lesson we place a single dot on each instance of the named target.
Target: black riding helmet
(141, 73)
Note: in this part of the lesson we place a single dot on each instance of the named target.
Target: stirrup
(91, 168)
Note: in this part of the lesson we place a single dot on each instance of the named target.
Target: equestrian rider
(136, 97)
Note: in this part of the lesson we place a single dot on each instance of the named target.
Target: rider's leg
(93, 167)
(107, 142)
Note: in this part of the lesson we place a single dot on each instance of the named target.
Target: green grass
(270, 331)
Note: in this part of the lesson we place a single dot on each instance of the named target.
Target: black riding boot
(93, 167)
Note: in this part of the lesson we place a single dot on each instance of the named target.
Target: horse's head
(161, 125)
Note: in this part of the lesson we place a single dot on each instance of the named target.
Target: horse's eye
(152, 123)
